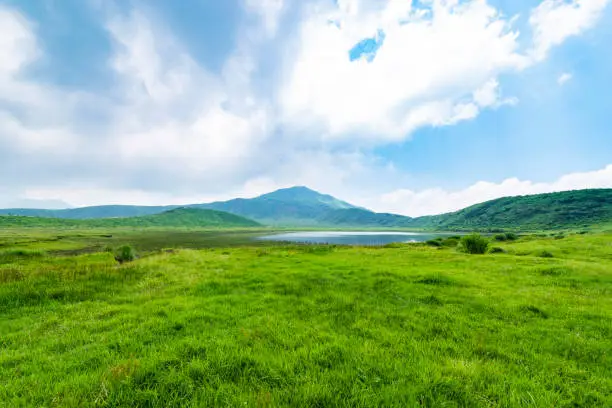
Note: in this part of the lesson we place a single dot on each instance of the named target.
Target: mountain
(303, 207)
(178, 217)
(579, 208)
(359, 217)
(100, 211)
(289, 206)
(295, 206)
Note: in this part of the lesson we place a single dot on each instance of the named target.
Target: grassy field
(308, 326)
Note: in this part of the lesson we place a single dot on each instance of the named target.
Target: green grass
(63, 241)
(402, 325)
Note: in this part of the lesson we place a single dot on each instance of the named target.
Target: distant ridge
(178, 217)
(303, 207)
(98, 211)
(576, 208)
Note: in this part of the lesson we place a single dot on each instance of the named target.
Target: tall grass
(409, 325)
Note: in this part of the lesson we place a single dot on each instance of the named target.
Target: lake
(351, 237)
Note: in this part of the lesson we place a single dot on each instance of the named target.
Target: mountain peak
(305, 195)
(293, 192)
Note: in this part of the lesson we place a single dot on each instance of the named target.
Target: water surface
(351, 237)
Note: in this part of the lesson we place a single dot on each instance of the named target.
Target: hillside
(179, 217)
(302, 207)
(99, 211)
(566, 209)
(358, 217)
(295, 206)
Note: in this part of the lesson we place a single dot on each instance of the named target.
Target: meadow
(231, 322)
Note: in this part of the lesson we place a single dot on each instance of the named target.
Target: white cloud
(17, 43)
(437, 200)
(31, 119)
(431, 71)
(553, 21)
(177, 112)
(168, 126)
(564, 78)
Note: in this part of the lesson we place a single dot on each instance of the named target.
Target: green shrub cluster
(474, 244)
(434, 243)
(449, 242)
(508, 236)
(545, 254)
(125, 253)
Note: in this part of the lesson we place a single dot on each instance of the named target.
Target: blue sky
(411, 107)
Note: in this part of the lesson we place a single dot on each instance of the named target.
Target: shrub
(560, 236)
(125, 254)
(508, 236)
(451, 241)
(545, 254)
(434, 243)
(474, 244)
(497, 250)
(511, 236)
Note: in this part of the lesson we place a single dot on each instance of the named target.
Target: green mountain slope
(295, 206)
(179, 217)
(358, 217)
(99, 211)
(542, 211)
(302, 207)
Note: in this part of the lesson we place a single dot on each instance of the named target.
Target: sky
(413, 107)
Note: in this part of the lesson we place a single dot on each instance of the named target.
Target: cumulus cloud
(167, 126)
(17, 44)
(438, 201)
(436, 67)
(553, 21)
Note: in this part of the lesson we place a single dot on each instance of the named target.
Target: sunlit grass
(403, 325)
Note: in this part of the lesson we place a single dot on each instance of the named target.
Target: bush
(545, 254)
(508, 236)
(451, 242)
(474, 244)
(434, 243)
(497, 250)
(125, 254)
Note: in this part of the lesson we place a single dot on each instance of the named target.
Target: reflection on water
(351, 237)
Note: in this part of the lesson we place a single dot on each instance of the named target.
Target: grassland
(239, 325)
